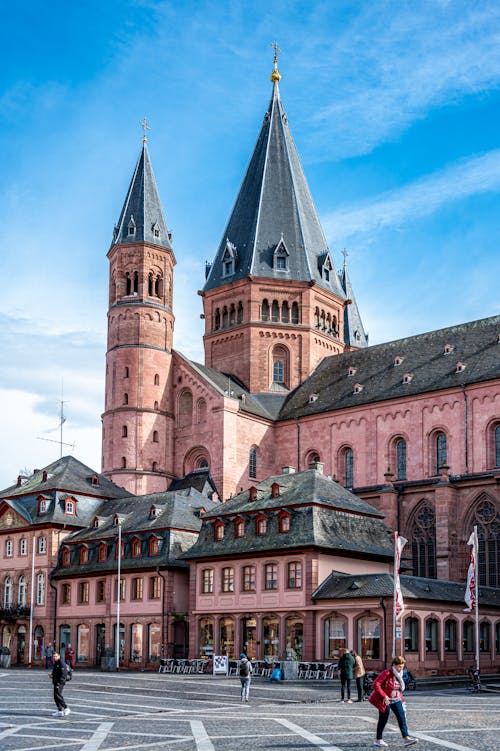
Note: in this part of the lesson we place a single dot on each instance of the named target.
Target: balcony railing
(14, 612)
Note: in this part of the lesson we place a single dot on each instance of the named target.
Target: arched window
(440, 452)
(21, 591)
(217, 319)
(280, 366)
(285, 312)
(203, 464)
(401, 458)
(265, 310)
(335, 637)
(128, 284)
(422, 531)
(232, 314)
(346, 466)
(156, 379)
(497, 445)
(239, 317)
(468, 636)
(125, 398)
(225, 317)
(275, 311)
(155, 436)
(487, 519)
(185, 408)
(411, 635)
(484, 636)
(7, 592)
(154, 467)
(158, 286)
(155, 405)
(40, 589)
(124, 462)
(252, 463)
(124, 431)
(136, 283)
(295, 312)
(369, 638)
(126, 372)
(202, 410)
(450, 635)
(150, 284)
(431, 635)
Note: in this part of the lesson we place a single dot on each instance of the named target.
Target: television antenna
(62, 420)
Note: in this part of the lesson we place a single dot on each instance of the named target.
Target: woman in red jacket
(387, 694)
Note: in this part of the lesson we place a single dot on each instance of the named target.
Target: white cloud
(456, 182)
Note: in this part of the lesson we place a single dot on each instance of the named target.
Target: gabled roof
(199, 479)
(475, 344)
(340, 586)
(354, 333)
(323, 514)
(142, 208)
(274, 206)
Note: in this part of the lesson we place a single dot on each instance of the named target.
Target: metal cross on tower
(145, 127)
(345, 254)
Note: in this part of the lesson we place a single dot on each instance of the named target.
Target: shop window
(431, 635)
(468, 636)
(450, 635)
(271, 636)
(369, 638)
(206, 636)
(411, 635)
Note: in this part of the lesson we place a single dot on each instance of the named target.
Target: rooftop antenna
(62, 420)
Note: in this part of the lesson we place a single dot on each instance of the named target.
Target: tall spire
(274, 214)
(354, 332)
(141, 218)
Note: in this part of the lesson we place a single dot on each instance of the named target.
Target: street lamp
(118, 593)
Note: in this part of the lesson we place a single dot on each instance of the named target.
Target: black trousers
(345, 687)
(359, 686)
(58, 697)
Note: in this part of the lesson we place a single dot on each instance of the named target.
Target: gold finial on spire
(275, 75)
(145, 127)
(345, 254)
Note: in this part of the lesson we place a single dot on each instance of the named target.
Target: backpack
(244, 669)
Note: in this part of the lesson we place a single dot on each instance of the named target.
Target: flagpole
(394, 598)
(476, 583)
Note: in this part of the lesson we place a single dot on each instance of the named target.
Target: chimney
(19, 481)
(44, 476)
(288, 470)
(317, 466)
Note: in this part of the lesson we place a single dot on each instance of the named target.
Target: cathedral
(257, 492)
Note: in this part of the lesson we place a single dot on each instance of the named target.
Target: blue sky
(394, 107)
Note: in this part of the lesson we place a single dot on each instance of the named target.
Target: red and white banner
(470, 587)
(399, 543)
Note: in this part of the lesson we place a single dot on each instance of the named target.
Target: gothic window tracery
(423, 541)
(487, 519)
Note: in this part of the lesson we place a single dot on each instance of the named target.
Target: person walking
(49, 656)
(358, 673)
(245, 676)
(387, 694)
(58, 675)
(346, 665)
(69, 656)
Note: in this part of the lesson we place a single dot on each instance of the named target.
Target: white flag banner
(399, 543)
(470, 587)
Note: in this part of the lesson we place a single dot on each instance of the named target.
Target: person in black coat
(346, 665)
(59, 674)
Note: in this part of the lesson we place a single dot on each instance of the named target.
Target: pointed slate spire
(274, 230)
(354, 333)
(141, 218)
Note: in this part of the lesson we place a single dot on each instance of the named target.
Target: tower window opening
(124, 462)
(125, 399)
(295, 312)
(225, 317)
(265, 310)
(285, 312)
(128, 284)
(150, 285)
(136, 283)
(158, 286)
(232, 315)
(155, 436)
(275, 311)
(126, 372)
(217, 319)
(239, 317)
(157, 379)
(124, 431)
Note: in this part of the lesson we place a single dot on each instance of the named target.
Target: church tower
(273, 302)
(137, 424)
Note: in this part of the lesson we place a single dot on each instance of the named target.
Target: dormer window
(116, 520)
(42, 505)
(239, 528)
(229, 259)
(156, 229)
(153, 546)
(448, 348)
(218, 531)
(70, 507)
(154, 511)
(95, 480)
(96, 522)
(84, 554)
(280, 256)
(252, 493)
(66, 557)
(358, 388)
(284, 522)
(327, 268)
(275, 490)
(351, 371)
(313, 398)
(460, 367)
(136, 548)
(397, 361)
(102, 552)
(261, 526)
(131, 227)
(407, 378)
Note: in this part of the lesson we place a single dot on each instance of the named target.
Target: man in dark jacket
(59, 674)
(346, 665)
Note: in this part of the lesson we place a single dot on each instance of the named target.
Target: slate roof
(274, 204)
(340, 586)
(143, 203)
(322, 514)
(475, 344)
(354, 332)
(66, 476)
(176, 526)
(199, 479)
